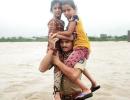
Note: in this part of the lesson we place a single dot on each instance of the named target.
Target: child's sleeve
(52, 26)
(75, 18)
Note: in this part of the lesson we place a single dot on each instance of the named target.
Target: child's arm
(52, 30)
(71, 28)
(65, 37)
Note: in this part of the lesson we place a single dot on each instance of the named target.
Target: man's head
(66, 45)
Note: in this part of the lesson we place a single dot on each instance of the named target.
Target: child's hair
(69, 2)
(53, 2)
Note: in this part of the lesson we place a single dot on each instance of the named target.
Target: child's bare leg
(86, 92)
(94, 86)
(82, 86)
(92, 80)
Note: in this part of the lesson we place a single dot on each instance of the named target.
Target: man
(69, 90)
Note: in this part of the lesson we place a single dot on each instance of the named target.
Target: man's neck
(66, 54)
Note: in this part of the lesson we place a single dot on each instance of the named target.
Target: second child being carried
(81, 47)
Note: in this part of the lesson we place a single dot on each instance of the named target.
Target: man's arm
(46, 61)
(72, 73)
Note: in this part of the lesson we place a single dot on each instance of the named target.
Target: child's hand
(50, 34)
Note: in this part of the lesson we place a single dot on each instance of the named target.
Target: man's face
(57, 10)
(66, 45)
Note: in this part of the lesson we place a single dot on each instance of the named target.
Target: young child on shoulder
(56, 25)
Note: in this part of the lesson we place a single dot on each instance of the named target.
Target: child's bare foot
(86, 91)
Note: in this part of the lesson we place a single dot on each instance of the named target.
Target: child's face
(57, 10)
(68, 11)
(66, 45)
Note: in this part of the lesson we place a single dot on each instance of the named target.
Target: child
(55, 25)
(81, 47)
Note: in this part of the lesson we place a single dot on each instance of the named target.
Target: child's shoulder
(53, 20)
(56, 21)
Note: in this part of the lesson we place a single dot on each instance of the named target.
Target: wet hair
(53, 2)
(69, 2)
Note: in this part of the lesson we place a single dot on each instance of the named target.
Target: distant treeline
(23, 39)
(103, 37)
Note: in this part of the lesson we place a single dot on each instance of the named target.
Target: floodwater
(20, 79)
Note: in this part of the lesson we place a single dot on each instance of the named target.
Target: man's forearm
(71, 73)
(46, 61)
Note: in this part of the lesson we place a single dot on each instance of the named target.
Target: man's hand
(55, 58)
